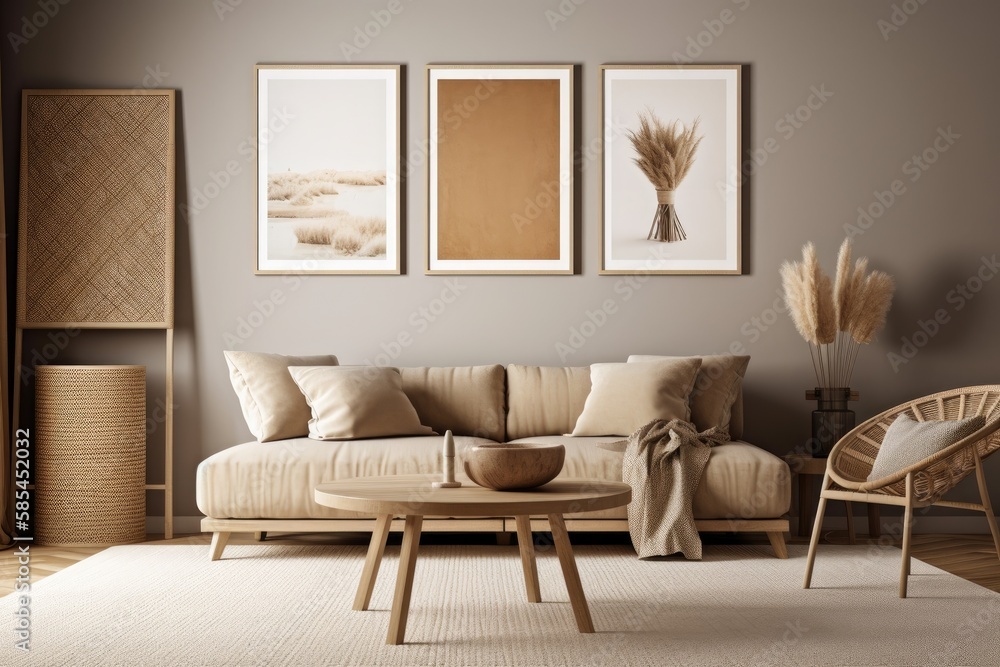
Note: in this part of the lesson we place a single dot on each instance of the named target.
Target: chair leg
(904, 570)
(260, 535)
(851, 537)
(984, 493)
(817, 528)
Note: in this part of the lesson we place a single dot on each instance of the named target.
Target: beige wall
(880, 103)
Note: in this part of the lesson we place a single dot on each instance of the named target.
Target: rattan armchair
(924, 483)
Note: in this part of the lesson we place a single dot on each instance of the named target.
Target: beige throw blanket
(663, 463)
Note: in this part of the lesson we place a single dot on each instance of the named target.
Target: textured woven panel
(91, 454)
(96, 209)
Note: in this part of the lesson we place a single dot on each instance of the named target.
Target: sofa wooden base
(222, 528)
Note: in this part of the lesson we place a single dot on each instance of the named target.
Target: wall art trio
(500, 161)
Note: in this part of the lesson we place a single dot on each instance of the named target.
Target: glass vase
(832, 418)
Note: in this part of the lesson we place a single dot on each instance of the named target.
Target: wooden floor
(971, 557)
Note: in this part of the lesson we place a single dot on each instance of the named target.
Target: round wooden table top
(414, 495)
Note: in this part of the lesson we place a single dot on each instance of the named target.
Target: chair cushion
(277, 480)
(623, 397)
(350, 402)
(467, 400)
(719, 382)
(272, 405)
(740, 481)
(907, 442)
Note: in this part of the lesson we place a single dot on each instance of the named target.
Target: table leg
(527, 549)
(375, 550)
(874, 522)
(851, 538)
(570, 573)
(404, 579)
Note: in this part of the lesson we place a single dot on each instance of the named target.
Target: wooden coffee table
(413, 496)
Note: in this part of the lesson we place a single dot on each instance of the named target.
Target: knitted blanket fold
(663, 463)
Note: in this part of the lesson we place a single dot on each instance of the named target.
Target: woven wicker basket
(90, 462)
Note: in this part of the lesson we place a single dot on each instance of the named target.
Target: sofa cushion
(716, 388)
(623, 397)
(273, 406)
(740, 480)
(545, 400)
(350, 402)
(467, 400)
(277, 480)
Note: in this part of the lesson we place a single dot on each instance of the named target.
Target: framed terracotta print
(328, 187)
(500, 169)
(671, 200)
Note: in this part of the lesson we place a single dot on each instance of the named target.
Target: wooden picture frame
(707, 201)
(500, 169)
(328, 179)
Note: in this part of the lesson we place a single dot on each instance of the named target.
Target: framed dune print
(328, 191)
(671, 192)
(500, 169)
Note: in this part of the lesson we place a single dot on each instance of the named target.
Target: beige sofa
(265, 487)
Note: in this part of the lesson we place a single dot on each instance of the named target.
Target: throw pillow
(273, 406)
(350, 402)
(907, 441)
(715, 389)
(624, 397)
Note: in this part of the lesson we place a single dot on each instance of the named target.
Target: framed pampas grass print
(671, 176)
(500, 169)
(328, 191)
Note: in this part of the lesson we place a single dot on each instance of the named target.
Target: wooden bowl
(513, 466)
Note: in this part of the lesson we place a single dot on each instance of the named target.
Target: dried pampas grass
(664, 152)
(795, 299)
(876, 297)
(836, 317)
(842, 284)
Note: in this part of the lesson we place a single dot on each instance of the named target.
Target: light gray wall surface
(889, 95)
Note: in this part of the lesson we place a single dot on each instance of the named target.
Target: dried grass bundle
(665, 154)
(836, 318)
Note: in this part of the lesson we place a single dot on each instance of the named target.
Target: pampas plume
(795, 299)
(876, 298)
(842, 284)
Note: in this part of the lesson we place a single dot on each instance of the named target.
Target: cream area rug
(291, 605)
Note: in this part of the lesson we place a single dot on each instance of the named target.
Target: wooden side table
(810, 471)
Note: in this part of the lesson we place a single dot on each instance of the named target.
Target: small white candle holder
(448, 456)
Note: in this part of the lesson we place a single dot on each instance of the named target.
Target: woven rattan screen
(96, 235)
